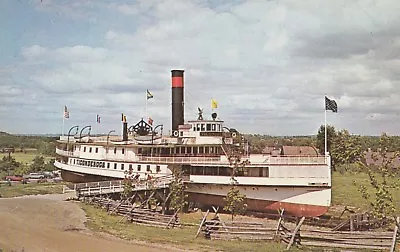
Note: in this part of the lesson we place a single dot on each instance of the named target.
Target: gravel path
(47, 223)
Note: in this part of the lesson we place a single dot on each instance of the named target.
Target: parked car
(14, 178)
(35, 175)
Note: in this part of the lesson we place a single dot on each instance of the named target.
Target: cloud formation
(268, 64)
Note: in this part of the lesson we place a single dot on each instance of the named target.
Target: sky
(268, 64)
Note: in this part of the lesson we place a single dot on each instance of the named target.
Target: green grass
(345, 191)
(16, 190)
(26, 158)
(183, 238)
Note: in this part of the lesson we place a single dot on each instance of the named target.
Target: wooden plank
(337, 245)
(202, 222)
(280, 220)
(396, 229)
(295, 232)
(172, 218)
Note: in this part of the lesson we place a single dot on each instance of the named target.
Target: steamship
(209, 154)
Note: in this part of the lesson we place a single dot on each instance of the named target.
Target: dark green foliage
(331, 134)
(38, 164)
(8, 164)
(235, 201)
(177, 189)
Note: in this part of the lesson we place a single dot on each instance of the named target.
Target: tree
(177, 190)
(331, 134)
(37, 164)
(346, 149)
(235, 201)
(382, 204)
(8, 164)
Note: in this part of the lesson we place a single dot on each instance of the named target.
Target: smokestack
(124, 131)
(177, 99)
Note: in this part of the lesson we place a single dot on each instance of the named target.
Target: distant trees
(45, 145)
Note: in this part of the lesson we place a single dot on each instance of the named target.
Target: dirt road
(45, 223)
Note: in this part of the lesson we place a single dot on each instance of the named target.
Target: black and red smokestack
(177, 99)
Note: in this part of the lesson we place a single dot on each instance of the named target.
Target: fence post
(396, 230)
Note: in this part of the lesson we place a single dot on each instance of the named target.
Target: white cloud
(269, 64)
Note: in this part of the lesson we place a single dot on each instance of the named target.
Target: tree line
(44, 144)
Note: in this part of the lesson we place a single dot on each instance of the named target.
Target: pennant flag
(330, 105)
(150, 121)
(149, 95)
(123, 118)
(98, 119)
(214, 104)
(66, 112)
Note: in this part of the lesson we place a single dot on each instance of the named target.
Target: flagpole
(326, 138)
(62, 131)
(145, 110)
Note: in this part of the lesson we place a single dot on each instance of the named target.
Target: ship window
(130, 167)
(211, 149)
(115, 150)
(203, 127)
(90, 150)
(194, 127)
(177, 150)
(108, 165)
(74, 161)
(213, 127)
(181, 133)
(218, 127)
(206, 150)
(84, 149)
(201, 150)
(115, 166)
(195, 150)
(122, 166)
(266, 172)
(97, 150)
(182, 150)
(123, 151)
(208, 127)
(198, 127)
(139, 167)
(148, 168)
(189, 150)
(139, 150)
(158, 168)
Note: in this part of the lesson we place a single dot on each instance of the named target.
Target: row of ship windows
(96, 150)
(172, 150)
(102, 164)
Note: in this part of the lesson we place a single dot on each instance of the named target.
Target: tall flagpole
(326, 138)
(145, 112)
(63, 115)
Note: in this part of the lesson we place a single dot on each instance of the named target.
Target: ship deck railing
(117, 186)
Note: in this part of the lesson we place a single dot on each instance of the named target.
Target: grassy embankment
(345, 193)
(16, 190)
(183, 238)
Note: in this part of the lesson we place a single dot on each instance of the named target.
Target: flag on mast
(98, 119)
(149, 95)
(123, 117)
(214, 104)
(66, 112)
(330, 105)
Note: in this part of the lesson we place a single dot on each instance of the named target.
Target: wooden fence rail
(377, 240)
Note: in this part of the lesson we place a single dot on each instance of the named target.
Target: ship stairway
(118, 186)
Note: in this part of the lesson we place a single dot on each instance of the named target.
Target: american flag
(66, 112)
(330, 104)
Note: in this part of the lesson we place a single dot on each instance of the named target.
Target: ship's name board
(210, 133)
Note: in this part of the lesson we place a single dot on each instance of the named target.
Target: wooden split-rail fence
(134, 212)
(215, 228)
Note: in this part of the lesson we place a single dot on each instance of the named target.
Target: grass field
(16, 190)
(345, 192)
(26, 158)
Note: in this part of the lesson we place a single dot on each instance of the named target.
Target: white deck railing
(65, 153)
